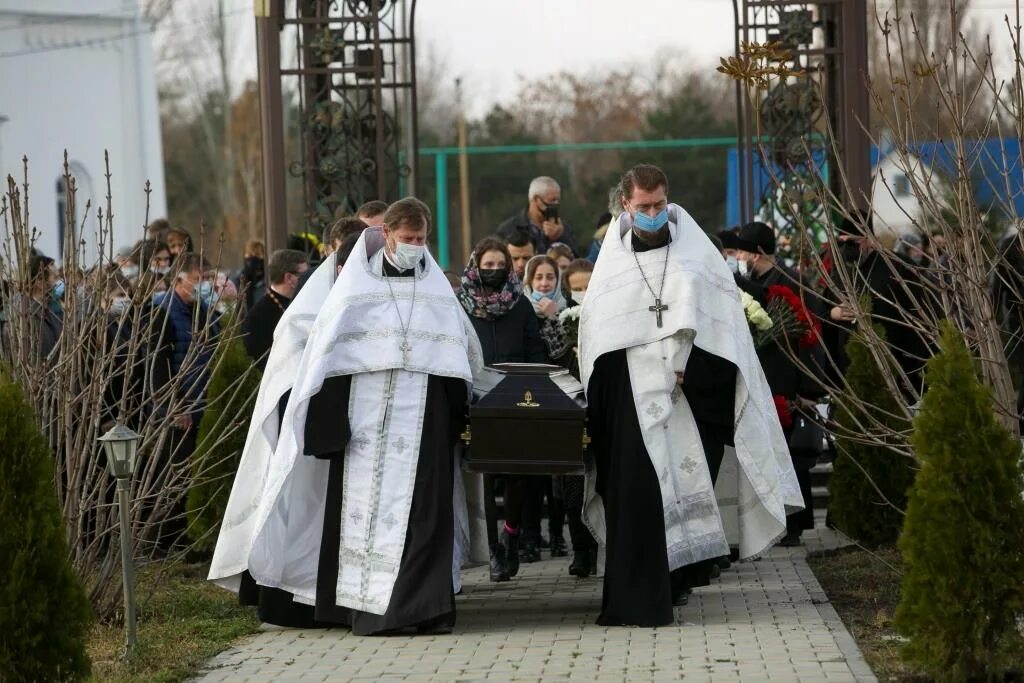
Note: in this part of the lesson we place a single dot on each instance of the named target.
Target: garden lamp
(120, 445)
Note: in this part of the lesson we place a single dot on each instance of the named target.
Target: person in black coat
(896, 294)
(779, 358)
(509, 333)
(286, 267)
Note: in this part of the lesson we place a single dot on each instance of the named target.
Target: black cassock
(638, 587)
(423, 595)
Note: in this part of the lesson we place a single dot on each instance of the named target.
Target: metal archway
(337, 108)
(827, 41)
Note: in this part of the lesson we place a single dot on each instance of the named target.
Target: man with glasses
(541, 218)
(285, 270)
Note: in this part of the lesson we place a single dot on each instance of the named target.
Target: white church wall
(895, 205)
(85, 84)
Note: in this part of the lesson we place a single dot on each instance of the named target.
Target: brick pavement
(761, 621)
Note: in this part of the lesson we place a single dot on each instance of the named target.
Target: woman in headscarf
(544, 287)
(509, 333)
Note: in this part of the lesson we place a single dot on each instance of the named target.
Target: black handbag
(806, 441)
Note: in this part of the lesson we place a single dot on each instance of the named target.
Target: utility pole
(463, 174)
(269, 14)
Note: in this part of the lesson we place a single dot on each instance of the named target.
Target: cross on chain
(406, 348)
(657, 308)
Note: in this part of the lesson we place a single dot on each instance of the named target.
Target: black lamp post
(121, 444)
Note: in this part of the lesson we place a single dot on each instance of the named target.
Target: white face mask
(406, 256)
(160, 270)
(119, 305)
(578, 294)
(733, 263)
(130, 272)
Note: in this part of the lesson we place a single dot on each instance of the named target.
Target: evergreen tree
(44, 613)
(222, 431)
(856, 506)
(963, 538)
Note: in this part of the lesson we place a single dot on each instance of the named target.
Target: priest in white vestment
(672, 377)
(290, 337)
(352, 520)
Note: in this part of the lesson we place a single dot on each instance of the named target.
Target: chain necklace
(405, 347)
(272, 295)
(658, 307)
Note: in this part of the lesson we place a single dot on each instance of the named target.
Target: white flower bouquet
(757, 317)
(570, 319)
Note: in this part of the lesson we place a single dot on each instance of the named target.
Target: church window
(901, 186)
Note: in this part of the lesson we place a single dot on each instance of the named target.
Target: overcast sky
(490, 44)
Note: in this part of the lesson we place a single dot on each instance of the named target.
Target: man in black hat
(894, 290)
(755, 252)
(728, 243)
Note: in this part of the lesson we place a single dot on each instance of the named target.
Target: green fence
(441, 155)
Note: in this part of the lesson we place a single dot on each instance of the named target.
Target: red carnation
(805, 319)
(782, 408)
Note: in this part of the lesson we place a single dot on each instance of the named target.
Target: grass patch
(182, 621)
(865, 592)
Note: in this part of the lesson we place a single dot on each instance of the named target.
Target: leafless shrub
(972, 103)
(106, 367)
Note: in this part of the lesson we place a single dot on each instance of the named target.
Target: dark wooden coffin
(527, 424)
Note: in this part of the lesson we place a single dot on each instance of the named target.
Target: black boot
(790, 540)
(511, 546)
(499, 564)
(581, 560)
(529, 552)
(593, 561)
(558, 548)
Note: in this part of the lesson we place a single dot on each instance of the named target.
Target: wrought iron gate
(826, 41)
(342, 76)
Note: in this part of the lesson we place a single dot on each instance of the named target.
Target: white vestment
(703, 309)
(358, 332)
(290, 338)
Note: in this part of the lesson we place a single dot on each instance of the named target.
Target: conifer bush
(44, 612)
(963, 537)
(870, 512)
(231, 397)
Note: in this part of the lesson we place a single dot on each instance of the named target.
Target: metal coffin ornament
(529, 421)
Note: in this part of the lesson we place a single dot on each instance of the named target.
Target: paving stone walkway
(761, 621)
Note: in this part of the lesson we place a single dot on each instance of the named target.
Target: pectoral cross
(657, 308)
(406, 348)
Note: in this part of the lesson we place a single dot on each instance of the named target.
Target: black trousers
(537, 487)
(578, 531)
(514, 499)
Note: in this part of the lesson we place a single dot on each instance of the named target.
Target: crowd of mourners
(514, 289)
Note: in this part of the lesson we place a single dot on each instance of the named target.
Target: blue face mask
(648, 224)
(204, 292)
(58, 289)
(539, 296)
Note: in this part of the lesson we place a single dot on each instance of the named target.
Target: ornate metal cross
(657, 308)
